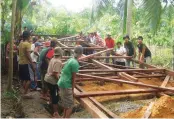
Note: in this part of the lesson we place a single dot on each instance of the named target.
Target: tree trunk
(129, 17)
(10, 71)
(173, 49)
(125, 17)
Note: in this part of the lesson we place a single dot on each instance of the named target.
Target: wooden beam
(92, 109)
(119, 92)
(99, 105)
(121, 70)
(119, 66)
(126, 76)
(86, 48)
(128, 82)
(115, 57)
(102, 65)
(165, 81)
(148, 111)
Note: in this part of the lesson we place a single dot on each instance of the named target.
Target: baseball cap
(38, 44)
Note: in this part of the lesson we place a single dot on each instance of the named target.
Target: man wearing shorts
(67, 79)
(26, 67)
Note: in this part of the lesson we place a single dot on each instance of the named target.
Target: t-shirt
(129, 48)
(147, 51)
(32, 47)
(23, 46)
(42, 53)
(121, 51)
(55, 65)
(33, 56)
(71, 66)
(109, 43)
(50, 53)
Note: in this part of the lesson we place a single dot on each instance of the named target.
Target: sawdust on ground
(108, 86)
(162, 108)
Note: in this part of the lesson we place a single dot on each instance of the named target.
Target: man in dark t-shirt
(130, 50)
(144, 54)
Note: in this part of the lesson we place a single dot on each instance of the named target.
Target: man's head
(126, 38)
(34, 39)
(47, 44)
(26, 35)
(58, 52)
(53, 43)
(140, 39)
(109, 36)
(25, 28)
(118, 44)
(78, 51)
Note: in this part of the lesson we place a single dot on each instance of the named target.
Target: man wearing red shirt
(109, 44)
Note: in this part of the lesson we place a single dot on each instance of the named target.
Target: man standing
(26, 67)
(129, 49)
(120, 51)
(144, 54)
(109, 44)
(45, 57)
(66, 82)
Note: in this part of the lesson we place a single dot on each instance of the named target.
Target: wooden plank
(121, 70)
(99, 105)
(119, 92)
(126, 76)
(102, 65)
(86, 48)
(128, 82)
(148, 111)
(92, 109)
(165, 81)
(115, 57)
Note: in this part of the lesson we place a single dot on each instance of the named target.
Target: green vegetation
(153, 19)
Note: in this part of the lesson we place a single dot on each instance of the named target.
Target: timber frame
(104, 72)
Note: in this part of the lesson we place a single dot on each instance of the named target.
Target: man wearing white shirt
(120, 51)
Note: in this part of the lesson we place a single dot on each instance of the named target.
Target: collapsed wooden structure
(94, 68)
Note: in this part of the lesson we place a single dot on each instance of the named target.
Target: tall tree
(10, 71)
(129, 17)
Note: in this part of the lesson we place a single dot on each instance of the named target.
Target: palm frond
(154, 12)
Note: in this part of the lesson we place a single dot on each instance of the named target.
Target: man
(47, 54)
(51, 78)
(35, 56)
(99, 40)
(26, 67)
(120, 51)
(129, 49)
(144, 53)
(109, 44)
(66, 82)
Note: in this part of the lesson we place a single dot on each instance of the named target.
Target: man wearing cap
(109, 44)
(51, 78)
(66, 82)
(130, 50)
(144, 54)
(34, 56)
(47, 55)
(26, 66)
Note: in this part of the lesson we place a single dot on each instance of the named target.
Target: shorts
(66, 95)
(53, 92)
(25, 72)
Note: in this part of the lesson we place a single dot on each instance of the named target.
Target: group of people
(43, 60)
(125, 49)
